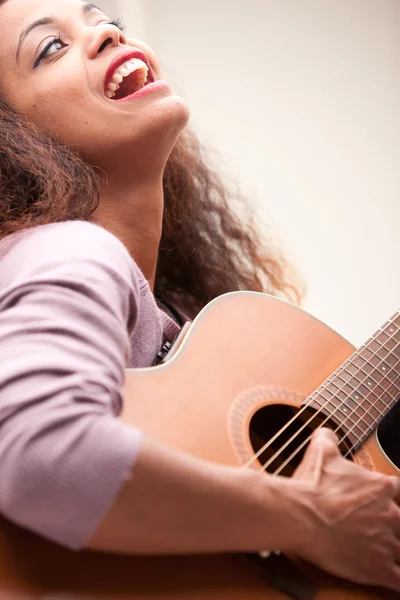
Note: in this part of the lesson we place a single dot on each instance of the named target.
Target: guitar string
(355, 424)
(308, 439)
(373, 405)
(324, 386)
(375, 420)
(323, 406)
(394, 383)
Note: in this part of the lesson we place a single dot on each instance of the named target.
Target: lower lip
(147, 89)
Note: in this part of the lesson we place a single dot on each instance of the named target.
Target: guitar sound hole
(388, 435)
(268, 421)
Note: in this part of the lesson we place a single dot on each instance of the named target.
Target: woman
(86, 246)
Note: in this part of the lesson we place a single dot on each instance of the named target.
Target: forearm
(176, 503)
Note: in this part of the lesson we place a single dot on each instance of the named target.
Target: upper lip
(121, 58)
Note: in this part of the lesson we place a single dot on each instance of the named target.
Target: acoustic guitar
(245, 384)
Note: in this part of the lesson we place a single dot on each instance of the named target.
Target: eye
(56, 39)
(118, 22)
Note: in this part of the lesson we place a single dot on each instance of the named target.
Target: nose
(104, 35)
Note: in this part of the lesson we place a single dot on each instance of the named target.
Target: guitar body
(247, 358)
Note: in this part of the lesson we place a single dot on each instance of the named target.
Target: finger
(324, 434)
(396, 553)
(396, 490)
(395, 522)
(392, 581)
(324, 443)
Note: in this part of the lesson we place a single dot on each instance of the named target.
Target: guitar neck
(359, 394)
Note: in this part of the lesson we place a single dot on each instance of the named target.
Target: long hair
(208, 245)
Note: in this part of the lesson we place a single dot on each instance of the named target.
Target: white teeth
(117, 78)
(133, 64)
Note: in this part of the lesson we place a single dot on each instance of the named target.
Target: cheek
(60, 106)
(51, 103)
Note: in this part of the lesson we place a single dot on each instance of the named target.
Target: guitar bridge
(282, 575)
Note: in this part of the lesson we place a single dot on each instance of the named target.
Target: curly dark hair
(206, 249)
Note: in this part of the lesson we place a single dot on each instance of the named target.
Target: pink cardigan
(75, 311)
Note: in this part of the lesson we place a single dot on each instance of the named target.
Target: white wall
(108, 6)
(131, 12)
(302, 99)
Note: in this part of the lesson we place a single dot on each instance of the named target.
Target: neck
(360, 393)
(133, 212)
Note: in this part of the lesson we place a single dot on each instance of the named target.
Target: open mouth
(129, 78)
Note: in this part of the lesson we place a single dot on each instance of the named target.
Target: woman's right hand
(354, 520)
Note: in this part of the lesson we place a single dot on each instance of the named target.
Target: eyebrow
(86, 8)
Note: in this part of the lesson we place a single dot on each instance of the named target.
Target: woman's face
(63, 91)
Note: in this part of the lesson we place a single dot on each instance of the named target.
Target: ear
(150, 53)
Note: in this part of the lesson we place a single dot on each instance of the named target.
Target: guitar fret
(356, 426)
(390, 344)
(372, 410)
(378, 401)
(374, 346)
(349, 388)
(388, 358)
(350, 419)
(372, 385)
(366, 417)
(352, 369)
(382, 338)
(396, 384)
(366, 354)
(332, 388)
(363, 365)
(366, 386)
(358, 439)
(344, 376)
(368, 425)
(392, 376)
(385, 384)
(374, 374)
(363, 379)
(395, 325)
(377, 362)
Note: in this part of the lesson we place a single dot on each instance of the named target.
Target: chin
(173, 112)
(184, 110)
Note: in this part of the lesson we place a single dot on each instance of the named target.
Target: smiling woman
(114, 230)
(52, 75)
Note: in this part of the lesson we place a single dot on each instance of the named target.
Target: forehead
(15, 15)
(24, 11)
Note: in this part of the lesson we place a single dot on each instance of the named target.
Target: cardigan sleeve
(69, 301)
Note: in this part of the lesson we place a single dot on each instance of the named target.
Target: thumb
(323, 445)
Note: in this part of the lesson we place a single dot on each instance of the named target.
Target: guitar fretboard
(364, 388)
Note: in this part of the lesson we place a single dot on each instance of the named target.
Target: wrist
(289, 513)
